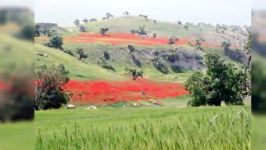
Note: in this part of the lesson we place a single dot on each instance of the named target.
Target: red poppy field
(106, 92)
(126, 38)
(119, 39)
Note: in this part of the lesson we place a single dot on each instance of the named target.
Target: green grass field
(144, 128)
(127, 23)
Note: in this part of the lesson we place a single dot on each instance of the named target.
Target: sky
(64, 12)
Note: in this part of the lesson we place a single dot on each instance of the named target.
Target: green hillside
(187, 58)
(127, 23)
(24, 53)
(77, 68)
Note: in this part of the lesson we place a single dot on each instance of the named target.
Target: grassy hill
(127, 23)
(19, 53)
(208, 32)
(122, 59)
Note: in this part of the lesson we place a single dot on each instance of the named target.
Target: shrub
(103, 31)
(81, 53)
(69, 52)
(135, 73)
(106, 55)
(131, 48)
(48, 90)
(82, 29)
(104, 64)
(77, 22)
(26, 33)
(55, 42)
(142, 31)
(222, 82)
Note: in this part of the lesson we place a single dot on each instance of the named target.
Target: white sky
(259, 4)
(208, 11)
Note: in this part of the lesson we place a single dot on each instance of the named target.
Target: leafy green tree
(85, 20)
(221, 82)
(135, 73)
(55, 42)
(103, 31)
(77, 22)
(48, 90)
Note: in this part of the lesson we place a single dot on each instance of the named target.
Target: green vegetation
(144, 128)
(222, 82)
(128, 23)
(55, 42)
(18, 135)
(77, 69)
(48, 90)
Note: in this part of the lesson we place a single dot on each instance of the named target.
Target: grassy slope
(121, 61)
(21, 53)
(14, 52)
(144, 128)
(127, 23)
(78, 69)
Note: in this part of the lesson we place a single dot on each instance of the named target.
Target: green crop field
(144, 128)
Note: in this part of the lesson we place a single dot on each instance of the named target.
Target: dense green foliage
(144, 128)
(55, 42)
(27, 33)
(48, 91)
(135, 73)
(222, 82)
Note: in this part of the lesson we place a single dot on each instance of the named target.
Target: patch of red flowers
(98, 92)
(120, 39)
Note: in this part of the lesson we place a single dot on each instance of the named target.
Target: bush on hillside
(48, 90)
(81, 53)
(135, 73)
(106, 55)
(55, 42)
(104, 64)
(103, 31)
(82, 29)
(221, 82)
(26, 33)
